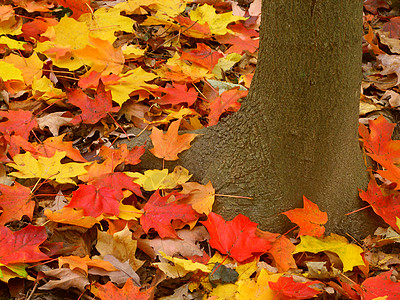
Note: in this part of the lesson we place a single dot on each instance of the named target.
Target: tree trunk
(296, 133)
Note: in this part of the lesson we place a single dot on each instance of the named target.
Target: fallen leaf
(201, 197)
(349, 254)
(67, 278)
(110, 292)
(287, 287)
(22, 246)
(236, 238)
(83, 263)
(18, 122)
(310, 219)
(168, 145)
(158, 214)
(15, 202)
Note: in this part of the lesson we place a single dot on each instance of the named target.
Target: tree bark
(296, 133)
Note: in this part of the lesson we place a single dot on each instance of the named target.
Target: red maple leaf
(92, 109)
(158, 214)
(36, 27)
(386, 206)
(379, 286)
(373, 5)
(92, 78)
(393, 27)
(203, 56)
(177, 93)
(95, 201)
(110, 292)
(236, 238)
(289, 289)
(134, 155)
(118, 182)
(227, 101)
(78, 7)
(18, 122)
(15, 202)
(22, 246)
(310, 219)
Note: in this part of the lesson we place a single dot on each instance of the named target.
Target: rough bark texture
(296, 133)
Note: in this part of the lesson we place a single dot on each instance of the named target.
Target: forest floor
(79, 219)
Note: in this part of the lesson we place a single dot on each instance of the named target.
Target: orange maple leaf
(168, 145)
(110, 292)
(310, 219)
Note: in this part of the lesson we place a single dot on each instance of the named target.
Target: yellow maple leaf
(170, 8)
(181, 266)
(257, 289)
(29, 66)
(129, 212)
(10, 72)
(11, 26)
(349, 254)
(46, 167)
(44, 89)
(201, 197)
(103, 23)
(133, 80)
(152, 180)
(217, 22)
(11, 44)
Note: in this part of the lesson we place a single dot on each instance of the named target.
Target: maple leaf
(236, 238)
(78, 7)
(22, 246)
(201, 197)
(15, 202)
(32, 30)
(168, 145)
(387, 205)
(393, 27)
(373, 5)
(69, 215)
(49, 147)
(203, 55)
(158, 214)
(281, 250)
(118, 182)
(18, 122)
(110, 292)
(286, 286)
(66, 279)
(177, 93)
(226, 101)
(217, 22)
(310, 219)
(379, 286)
(134, 155)
(95, 200)
(92, 109)
(49, 168)
(84, 262)
(349, 254)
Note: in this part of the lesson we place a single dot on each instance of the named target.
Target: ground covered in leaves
(80, 219)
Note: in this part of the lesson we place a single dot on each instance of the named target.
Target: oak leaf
(310, 219)
(159, 213)
(236, 238)
(168, 145)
